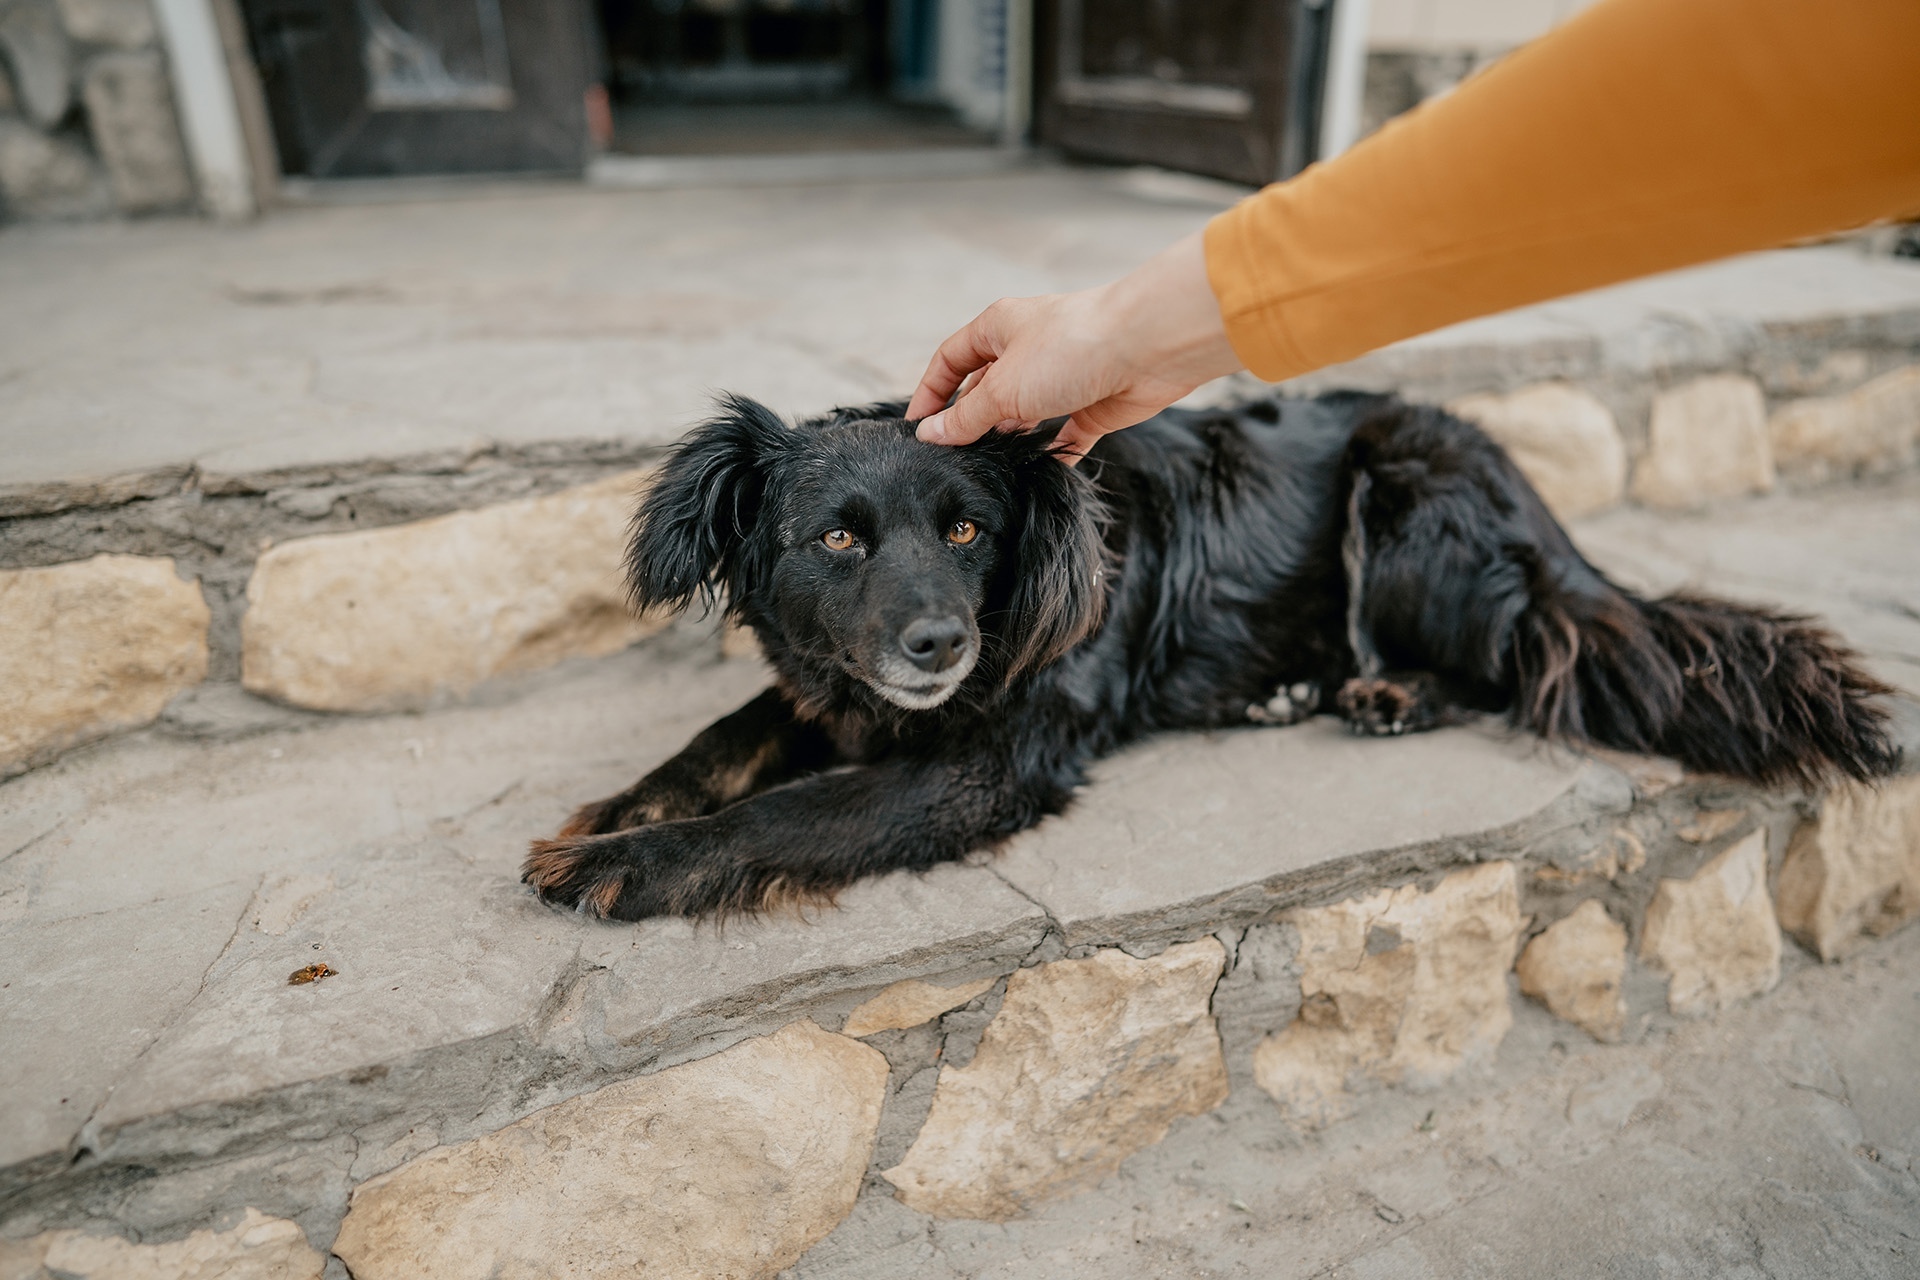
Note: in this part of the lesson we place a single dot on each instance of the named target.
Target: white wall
(971, 57)
(1413, 25)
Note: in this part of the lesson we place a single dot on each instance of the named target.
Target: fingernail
(933, 430)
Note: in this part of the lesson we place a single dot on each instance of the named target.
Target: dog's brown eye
(963, 532)
(837, 539)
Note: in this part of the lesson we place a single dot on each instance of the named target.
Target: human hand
(1105, 358)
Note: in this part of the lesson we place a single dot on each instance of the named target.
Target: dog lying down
(957, 632)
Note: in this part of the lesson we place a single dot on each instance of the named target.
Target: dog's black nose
(934, 644)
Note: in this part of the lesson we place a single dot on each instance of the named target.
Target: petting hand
(1106, 358)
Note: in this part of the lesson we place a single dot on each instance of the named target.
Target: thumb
(970, 417)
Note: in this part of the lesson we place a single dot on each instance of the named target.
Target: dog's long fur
(1203, 569)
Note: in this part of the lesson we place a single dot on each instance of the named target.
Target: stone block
(1706, 440)
(416, 614)
(48, 175)
(730, 1166)
(1576, 968)
(125, 24)
(1562, 439)
(1715, 934)
(908, 1004)
(1087, 1062)
(256, 1248)
(34, 48)
(1854, 871)
(1870, 430)
(130, 110)
(92, 647)
(1399, 986)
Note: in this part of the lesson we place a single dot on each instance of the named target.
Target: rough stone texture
(1400, 986)
(1715, 934)
(92, 647)
(127, 24)
(1576, 966)
(1777, 1140)
(1562, 438)
(416, 614)
(1087, 1062)
(35, 50)
(1871, 430)
(1706, 440)
(48, 175)
(130, 115)
(730, 1167)
(1854, 871)
(908, 1004)
(256, 1248)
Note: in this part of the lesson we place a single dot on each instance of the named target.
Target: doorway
(769, 77)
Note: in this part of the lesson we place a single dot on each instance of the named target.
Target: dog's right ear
(689, 534)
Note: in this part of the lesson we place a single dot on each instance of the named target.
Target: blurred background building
(146, 106)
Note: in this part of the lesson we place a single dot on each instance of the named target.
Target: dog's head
(854, 548)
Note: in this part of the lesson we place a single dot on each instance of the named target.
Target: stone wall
(981, 1095)
(87, 120)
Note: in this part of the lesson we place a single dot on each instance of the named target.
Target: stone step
(1279, 923)
(1293, 915)
(365, 459)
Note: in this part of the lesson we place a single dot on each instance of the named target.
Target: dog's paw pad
(1380, 708)
(1289, 704)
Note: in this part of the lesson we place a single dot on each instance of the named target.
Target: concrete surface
(427, 330)
(1780, 1141)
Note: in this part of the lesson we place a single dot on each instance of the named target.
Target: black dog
(958, 632)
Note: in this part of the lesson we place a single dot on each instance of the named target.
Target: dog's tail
(1723, 688)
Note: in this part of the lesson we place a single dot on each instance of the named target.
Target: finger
(968, 383)
(972, 348)
(970, 418)
(1074, 440)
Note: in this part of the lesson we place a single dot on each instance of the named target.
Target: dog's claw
(1290, 704)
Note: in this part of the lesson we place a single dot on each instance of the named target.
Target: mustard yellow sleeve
(1640, 136)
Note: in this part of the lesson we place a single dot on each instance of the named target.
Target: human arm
(1640, 136)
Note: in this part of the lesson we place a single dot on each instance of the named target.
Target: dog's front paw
(578, 872)
(616, 813)
(1385, 707)
(669, 870)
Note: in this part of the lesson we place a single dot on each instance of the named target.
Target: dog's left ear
(692, 531)
(1059, 586)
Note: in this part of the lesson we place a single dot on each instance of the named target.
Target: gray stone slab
(1186, 830)
(427, 954)
(672, 986)
(83, 999)
(328, 336)
(1850, 557)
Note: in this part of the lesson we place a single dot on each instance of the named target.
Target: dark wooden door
(1229, 88)
(359, 88)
